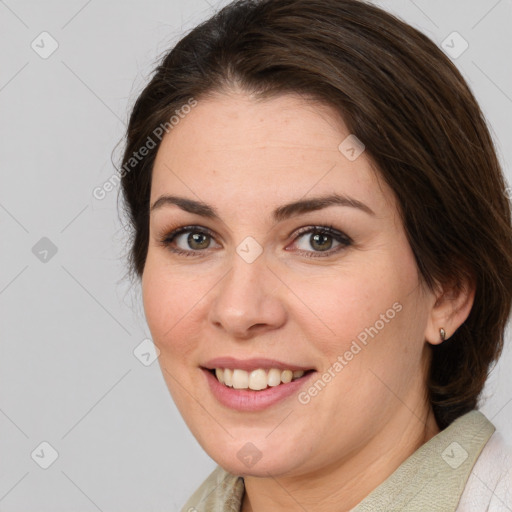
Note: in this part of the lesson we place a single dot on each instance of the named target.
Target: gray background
(70, 321)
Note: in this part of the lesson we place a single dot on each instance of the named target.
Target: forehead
(233, 148)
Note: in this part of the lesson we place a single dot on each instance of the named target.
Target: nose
(247, 301)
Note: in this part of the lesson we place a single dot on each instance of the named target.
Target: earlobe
(451, 309)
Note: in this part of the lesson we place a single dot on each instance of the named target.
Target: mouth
(258, 379)
(253, 384)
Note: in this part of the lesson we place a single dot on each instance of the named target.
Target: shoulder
(221, 491)
(489, 486)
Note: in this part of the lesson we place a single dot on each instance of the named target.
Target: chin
(252, 459)
(259, 469)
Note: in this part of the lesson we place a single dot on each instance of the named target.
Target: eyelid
(168, 232)
(166, 237)
(324, 228)
(343, 240)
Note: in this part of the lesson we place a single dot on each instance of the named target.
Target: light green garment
(432, 479)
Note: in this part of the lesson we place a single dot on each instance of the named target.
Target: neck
(345, 483)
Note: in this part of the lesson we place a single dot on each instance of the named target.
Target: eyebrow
(279, 214)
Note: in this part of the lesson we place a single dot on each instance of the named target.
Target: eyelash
(340, 237)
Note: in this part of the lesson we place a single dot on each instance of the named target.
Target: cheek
(375, 305)
(342, 303)
(167, 300)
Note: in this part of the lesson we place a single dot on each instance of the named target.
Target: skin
(245, 158)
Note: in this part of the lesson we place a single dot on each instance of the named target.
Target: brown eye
(321, 240)
(188, 240)
(198, 240)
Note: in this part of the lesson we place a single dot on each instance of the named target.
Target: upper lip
(251, 364)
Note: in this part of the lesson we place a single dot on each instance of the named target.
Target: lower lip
(249, 400)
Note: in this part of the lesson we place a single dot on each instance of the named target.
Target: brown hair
(419, 121)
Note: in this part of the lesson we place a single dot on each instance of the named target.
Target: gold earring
(442, 333)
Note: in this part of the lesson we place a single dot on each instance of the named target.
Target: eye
(322, 239)
(193, 239)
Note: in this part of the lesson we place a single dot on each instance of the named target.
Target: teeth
(274, 377)
(286, 376)
(228, 377)
(240, 379)
(257, 379)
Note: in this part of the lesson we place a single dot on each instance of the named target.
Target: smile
(256, 380)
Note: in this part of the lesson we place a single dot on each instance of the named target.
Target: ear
(452, 305)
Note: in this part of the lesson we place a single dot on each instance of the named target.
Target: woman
(323, 239)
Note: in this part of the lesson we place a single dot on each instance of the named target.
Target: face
(326, 293)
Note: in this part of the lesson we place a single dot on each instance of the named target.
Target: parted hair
(421, 127)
